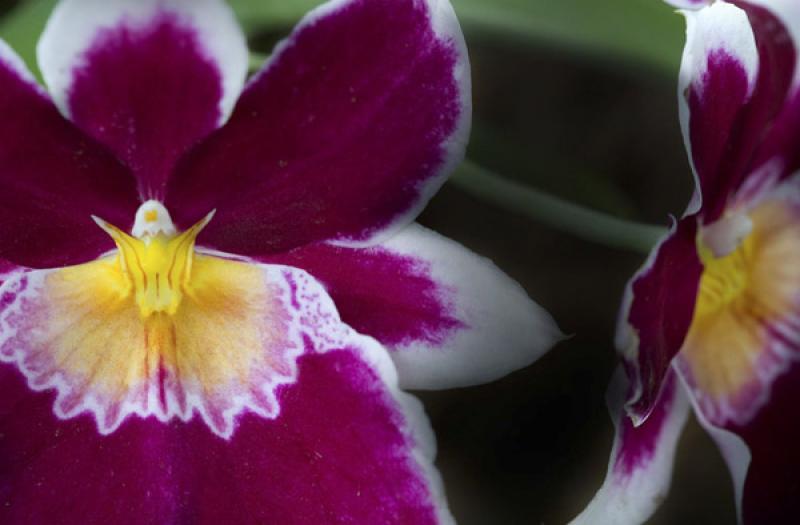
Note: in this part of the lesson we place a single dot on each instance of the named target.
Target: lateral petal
(449, 317)
(344, 136)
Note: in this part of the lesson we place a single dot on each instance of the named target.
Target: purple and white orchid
(199, 357)
(712, 320)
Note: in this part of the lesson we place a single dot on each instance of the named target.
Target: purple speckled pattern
(343, 134)
(664, 294)
(334, 454)
(53, 177)
(6, 269)
(148, 93)
(390, 297)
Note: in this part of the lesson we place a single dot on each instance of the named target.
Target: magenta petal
(640, 468)
(657, 313)
(145, 78)
(347, 132)
(341, 450)
(53, 178)
(389, 296)
(775, 26)
(735, 89)
(449, 317)
(771, 488)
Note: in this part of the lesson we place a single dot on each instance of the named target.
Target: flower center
(156, 261)
(725, 277)
(745, 316)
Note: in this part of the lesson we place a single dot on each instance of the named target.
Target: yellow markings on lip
(151, 216)
(724, 278)
(743, 299)
(226, 336)
(157, 329)
(158, 269)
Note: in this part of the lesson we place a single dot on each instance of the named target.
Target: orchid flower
(712, 320)
(201, 278)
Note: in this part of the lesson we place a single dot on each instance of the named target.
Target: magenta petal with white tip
(435, 305)
(148, 78)
(354, 123)
(640, 469)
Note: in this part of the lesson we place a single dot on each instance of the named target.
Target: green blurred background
(575, 98)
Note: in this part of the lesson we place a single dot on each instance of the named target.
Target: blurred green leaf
(641, 30)
(23, 25)
(557, 213)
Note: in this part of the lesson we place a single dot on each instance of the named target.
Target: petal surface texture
(252, 403)
(148, 78)
(657, 313)
(640, 469)
(53, 177)
(450, 317)
(353, 124)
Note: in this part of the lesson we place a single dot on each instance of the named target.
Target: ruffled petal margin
(640, 469)
(344, 443)
(449, 317)
(53, 178)
(148, 78)
(351, 127)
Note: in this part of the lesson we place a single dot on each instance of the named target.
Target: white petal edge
(447, 28)
(632, 499)
(505, 330)
(74, 24)
(720, 26)
(734, 450)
